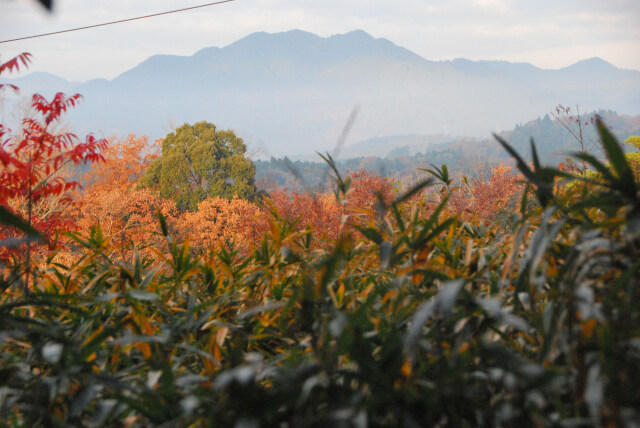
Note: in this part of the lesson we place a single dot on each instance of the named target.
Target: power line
(118, 22)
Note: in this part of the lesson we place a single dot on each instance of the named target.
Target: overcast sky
(546, 33)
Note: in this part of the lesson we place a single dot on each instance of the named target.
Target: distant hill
(46, 84)
(468, 156)
(553, 140)
(291, 93)
(394, 145)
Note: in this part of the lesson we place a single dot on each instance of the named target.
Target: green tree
(198, 162)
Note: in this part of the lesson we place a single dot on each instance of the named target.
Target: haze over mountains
(291, 93)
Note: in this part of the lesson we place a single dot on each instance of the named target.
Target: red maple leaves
(32, 161)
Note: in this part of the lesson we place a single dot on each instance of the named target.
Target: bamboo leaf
(413, 190)
(9, 218)
(615, 154)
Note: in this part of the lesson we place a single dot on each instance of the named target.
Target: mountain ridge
(292, 92)
(597, 61)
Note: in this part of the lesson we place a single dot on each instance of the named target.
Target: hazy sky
(546, 33)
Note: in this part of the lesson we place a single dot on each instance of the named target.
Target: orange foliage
(220, 221)
(110, 199)
(485, 198)
(490, 197)
(323, 212)
(124, 163)
(366, 187)
(320, 211)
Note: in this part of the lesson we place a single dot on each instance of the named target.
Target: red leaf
(13, 64)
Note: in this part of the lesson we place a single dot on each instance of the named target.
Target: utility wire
(118, 22)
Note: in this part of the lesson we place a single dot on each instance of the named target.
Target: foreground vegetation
(446, 304)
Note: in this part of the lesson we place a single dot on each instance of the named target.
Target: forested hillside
(557, 135)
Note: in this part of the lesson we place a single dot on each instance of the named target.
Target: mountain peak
(301, 47)
(355, 34)
(594, 61)
(363, 43)
(592, 64)
(262, 38)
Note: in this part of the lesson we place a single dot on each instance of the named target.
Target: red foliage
(320, 211)
(486, 198)
(366, 187)
(323, 212)
(14, 64)
(32, 161)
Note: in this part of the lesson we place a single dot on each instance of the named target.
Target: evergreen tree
(199, 162)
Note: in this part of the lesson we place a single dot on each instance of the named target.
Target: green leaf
(534, 155)
(412, 191)
(441, 174)
(520, 163)
(145, 282)
(398, 217)
(9, 218)
(163, 223)
(133, 339)
(615, 154)
(542, 177)
(370, 233)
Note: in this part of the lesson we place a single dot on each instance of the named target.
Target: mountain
(292, 92)
(46, 83)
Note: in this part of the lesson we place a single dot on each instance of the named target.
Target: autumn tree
(125, 162)
(366, 187)
(200, 162)
(319, 211)
(110, 198)
(326, 215)
(31, 161)
(220, 221)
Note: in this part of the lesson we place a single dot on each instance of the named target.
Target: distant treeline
(555, 135)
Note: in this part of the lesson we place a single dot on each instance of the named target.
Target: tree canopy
(198, 162)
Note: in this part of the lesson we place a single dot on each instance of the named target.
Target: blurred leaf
(84, 398)
(440, 303)
(615, 154)
(370, 233)
(163, 223)
(541, 178)
(9, 218)
(143, 295)
(412, 191)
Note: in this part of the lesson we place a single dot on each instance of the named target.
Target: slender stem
(29, 211)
